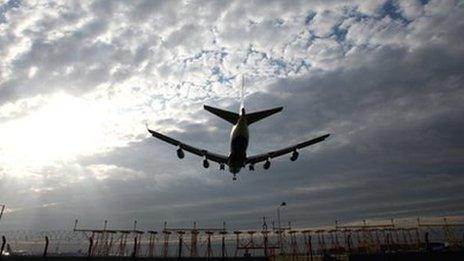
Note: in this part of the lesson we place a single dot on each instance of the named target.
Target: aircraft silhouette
(239, 137)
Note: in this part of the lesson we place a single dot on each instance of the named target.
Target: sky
(80, 80)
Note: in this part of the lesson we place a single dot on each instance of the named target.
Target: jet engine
(267, 164)
(180, 153)
(205, 163)
(294, 156)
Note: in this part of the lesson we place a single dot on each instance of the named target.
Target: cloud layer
(80, 80)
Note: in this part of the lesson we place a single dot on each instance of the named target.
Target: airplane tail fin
(259, 115)
(242, 94)
(231, 117)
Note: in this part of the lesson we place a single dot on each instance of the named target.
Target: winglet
(152, 132)
(148, 129)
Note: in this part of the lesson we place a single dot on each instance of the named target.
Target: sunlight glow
(61, 130)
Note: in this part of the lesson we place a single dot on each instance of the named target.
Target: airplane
(239, 137)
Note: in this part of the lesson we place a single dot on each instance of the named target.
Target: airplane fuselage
(239, 137)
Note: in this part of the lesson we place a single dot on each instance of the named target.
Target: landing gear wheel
(234, 178)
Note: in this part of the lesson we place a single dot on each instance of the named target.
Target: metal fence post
(89, 254)
(179, 254)
(427, 242)
(46, 247)
(3, 246)
(134, 254)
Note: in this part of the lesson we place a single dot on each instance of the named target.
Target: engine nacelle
(180, 153)
(205, 163)
(267, 164)
(294, 156)
(251, 167)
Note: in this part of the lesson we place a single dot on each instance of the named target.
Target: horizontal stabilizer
(231, 117)
(259, 115)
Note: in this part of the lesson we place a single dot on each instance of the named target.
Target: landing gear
(251, 167)
(234, 178)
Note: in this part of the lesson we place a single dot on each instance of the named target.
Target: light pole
(283, 204)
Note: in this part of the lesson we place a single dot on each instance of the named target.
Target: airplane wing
(277, 153)
(202, 153)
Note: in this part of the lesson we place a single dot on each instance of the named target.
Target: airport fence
(276, 243)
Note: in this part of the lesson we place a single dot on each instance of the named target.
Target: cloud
(383, 77)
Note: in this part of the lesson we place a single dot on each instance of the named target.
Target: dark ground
(401, 256)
